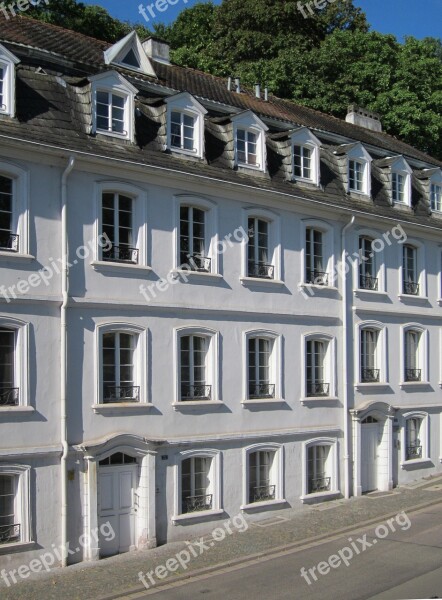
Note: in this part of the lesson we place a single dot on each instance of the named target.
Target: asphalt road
(385, 565)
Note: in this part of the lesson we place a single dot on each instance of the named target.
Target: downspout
(345, 359)
(63, 357)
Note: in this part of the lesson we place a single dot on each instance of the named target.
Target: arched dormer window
(436, 191)
(305, 156)
(401, 182)
(185, 125)
(249, 141)
(7, 81)
(358, 180)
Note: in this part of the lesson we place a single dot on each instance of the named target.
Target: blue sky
(420, 18)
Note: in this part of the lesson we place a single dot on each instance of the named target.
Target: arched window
(196, 365)
(263, 475)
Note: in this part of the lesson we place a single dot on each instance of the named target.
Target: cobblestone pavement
(112, 576)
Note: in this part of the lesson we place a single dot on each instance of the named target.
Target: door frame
(374, 430)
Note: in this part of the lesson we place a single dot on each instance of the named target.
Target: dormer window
(130, 54)
(436, 197)
(249, 141)
(113, 105)
(401, 182)
(7, 82)
(356, 176)
(185, 125)
(131, 59)
(305, 156)
(358, 168)
(397, 187)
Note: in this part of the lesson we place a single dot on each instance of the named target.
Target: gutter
(345, 361)
(63, 356)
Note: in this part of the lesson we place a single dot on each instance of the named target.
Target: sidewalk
(113, 576)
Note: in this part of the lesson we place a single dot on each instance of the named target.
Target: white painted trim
(22, 500)
(424, 436)
(275, 240)
(381, 352)
(332, 466)
(276, 474)
(276, 363)
(330, 366)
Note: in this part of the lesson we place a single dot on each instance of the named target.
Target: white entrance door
(116, 496)
(369, 456)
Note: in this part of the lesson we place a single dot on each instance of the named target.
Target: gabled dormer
(400, 178)
(7, 81)
(305, 156)
(358, 168)
(112, 105)
(129, 53)
(432, 181)
(185, 125)
(249, 135)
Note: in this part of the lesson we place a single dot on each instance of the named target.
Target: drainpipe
(63, 356)
(345, 359)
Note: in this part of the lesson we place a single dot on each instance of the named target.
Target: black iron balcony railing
(319, 484)
(8, 241)
(368, 283)
(317, 388)
(121, 393)
(195, 392)
(261, 390)
(260, 270)
(9, 396)
(121, 254)
(413, 374)
(9, 534)
(262, 492)
(196, 262)
(414, 451)
(316, 277)
(197, 503)
(411, 288)
(369, 375)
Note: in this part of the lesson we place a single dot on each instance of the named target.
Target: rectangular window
(356, 175)
(302, 157)
(10, 527)
(182, 131)
(118, 368)
(259, 354)
(316, 353)
(9, 394)
(246, 147)
(110, 112)
(193, 352)
(314, 258)
(412, 362)
(8, 240)
(369, 368)
(412, 438)
(2, 89)
(192, 240)
(117, 225)
(318, 481)
(398, 187)
(260, 486)
(258, 249)
(436, 197)
(195, 484)
(410, 278)
(367, 265)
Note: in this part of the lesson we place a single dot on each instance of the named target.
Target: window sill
(197, 404)
(113, 134)
(246, 167)
(105, 265)
(375, 384)
(317, 399)
(412, 384)
(361, 292)
(316, 287)
(19, 409)
(333, 494)
(303, 181)
(412, 298)
(183, 152)
(176, 273)
(121, 406)
(416, 461)
(4, 254)
(256, 506)
(16, 547)
(260, 281)
(203, 514)
(262, 401)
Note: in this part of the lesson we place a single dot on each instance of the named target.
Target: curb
(271, 553)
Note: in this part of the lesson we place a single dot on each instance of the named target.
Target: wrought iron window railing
(9, 241)
(413, 374)
(261, 390)
(319, 484)
(411, 288)
(317, 388)
(121, 254)
(262, 492)
(368, 283)
(197, 503)
(260, 270)
(414, 451)
(9, 396)
(10, 533)
(196, 262)
(121, 393)
(369, 375)
(316, 277)
(195, 392)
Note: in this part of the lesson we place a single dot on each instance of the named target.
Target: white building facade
(210, 305)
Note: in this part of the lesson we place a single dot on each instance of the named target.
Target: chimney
(257, 90)
(364, 118)
(266, 94)
(237, 85)
(229, 84)
(157, 49)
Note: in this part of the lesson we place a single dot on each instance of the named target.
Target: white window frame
(20, 208)
(211, 229)
(139, 225)
(274, 241)
(359, 154)
(422, 355)
(116, 54)
(329, 365)
(332, 468)
(212, 365)
(420, 269)
(401, 167)
(8, 62)
(23, 505)
(381, 354)
(276, 476)
(248, 121)
(185, 103)
(304, 138)
(215, 487)
(424, 433)
(379, 261)
(275, 365)
(435, 180)
(21, 362)
(140, 359)
(328, 250)
(112, 82)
